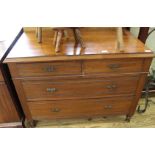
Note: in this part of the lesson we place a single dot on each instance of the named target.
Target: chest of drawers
(73, 85)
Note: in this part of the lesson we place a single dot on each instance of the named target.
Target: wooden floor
(145, 120)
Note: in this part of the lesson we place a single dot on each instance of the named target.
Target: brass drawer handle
(55, 110)
(114, 66)
(51, 90)
(108, 106)
(113, 86)
(49, 69)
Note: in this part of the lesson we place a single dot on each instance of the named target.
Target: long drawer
(49, 69)
(86, 88)
(80, 108)
(113, 66)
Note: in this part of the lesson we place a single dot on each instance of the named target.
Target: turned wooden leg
(128, 118)
(30, 123)
(75, 37)
(55, 38)
(120, 42)
(58, 41)
(79, 38)
(66, 34)
(39, 36)
(36, 32)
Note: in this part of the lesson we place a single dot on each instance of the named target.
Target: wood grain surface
(8, 111)
(100, 43)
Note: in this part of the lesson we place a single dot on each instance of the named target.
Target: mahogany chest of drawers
(76, 83)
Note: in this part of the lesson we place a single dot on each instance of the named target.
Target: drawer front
(113, 66)
(68, 89)
(1, 77)
(48, 69)
(80, 108)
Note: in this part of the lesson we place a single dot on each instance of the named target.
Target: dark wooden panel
(1, 77)
(113, 66)
(51, 68)
(52, 89)
(143, 33)
(80, 108)
(8, 112)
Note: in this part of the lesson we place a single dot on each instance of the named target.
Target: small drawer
(80, 108)
(71, 89)
(113, 66)
(1, 76)
(49, 69)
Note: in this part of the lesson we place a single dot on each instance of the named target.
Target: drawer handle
(113, 86)
(108, 106)
(55, 110)
(51, 90)
(49, 69)
(114, 66)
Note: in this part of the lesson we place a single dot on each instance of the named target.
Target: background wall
(134, 31)
(150, 42)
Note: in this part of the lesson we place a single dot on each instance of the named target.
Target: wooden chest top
(100, 44)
